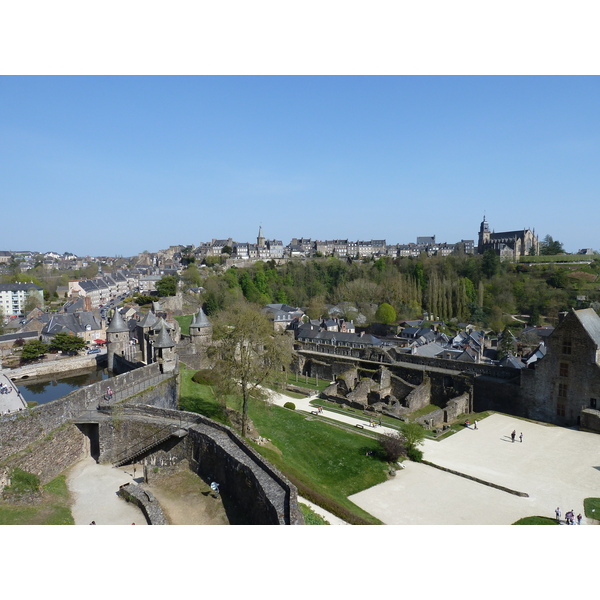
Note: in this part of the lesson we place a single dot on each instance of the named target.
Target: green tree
(66, 342)
(247, 353)
(490, 263)
(33, 349)
(507, 343)
(385, 314)
(167, 286)
(413, 435)
(549, 246)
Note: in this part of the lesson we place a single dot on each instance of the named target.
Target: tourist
(474, 424)
(579, 517)
(513, 435)
(521, 437)
(557, 513)
(214, 486)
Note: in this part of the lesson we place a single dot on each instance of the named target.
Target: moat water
(43, 391)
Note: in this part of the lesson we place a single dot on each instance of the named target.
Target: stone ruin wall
(43, 440)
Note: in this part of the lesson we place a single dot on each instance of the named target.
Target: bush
(393, 446)
(290, 405)
(205, 377)
(415, 454)
(22, 482)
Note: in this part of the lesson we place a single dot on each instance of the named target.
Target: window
(562, 390)
(560, 410)
(566, 345)
(593, 402)
(563, 370)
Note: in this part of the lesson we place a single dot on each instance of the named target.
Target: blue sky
(118, 165)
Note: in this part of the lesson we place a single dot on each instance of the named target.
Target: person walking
(521, 437)
(513, 435)
(474, 424)
(579, 517)
(557, 513)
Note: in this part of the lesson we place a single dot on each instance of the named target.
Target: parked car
(94, 351)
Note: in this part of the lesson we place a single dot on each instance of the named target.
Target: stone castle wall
(44, 437)
(252, 490)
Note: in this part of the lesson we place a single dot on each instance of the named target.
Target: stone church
(508, 245)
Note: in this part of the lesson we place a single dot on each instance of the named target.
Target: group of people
(513, 435)
(569, 517)
(4, 389)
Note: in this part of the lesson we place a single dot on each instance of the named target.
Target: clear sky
(116, 165)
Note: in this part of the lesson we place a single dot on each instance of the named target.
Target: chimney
(561, 316)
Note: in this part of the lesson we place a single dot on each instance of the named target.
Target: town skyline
(117, 165)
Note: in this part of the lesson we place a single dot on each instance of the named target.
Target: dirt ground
(187, 500)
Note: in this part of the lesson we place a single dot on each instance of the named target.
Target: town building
(14, 297)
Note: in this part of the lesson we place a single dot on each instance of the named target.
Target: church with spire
(508, 245)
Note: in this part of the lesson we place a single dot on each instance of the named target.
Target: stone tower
(117, 338)
(144, 328)
(164, 349)
(484, 235)
(260, 240)
(201, 331)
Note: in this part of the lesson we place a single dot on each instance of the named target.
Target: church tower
(484, 235)
(260, 240)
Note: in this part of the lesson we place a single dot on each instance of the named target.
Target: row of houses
(265, 249)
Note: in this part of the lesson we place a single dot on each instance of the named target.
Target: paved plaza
(555, 466)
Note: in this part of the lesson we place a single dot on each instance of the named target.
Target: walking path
(94, 488)
(10, 397)
(554, 466)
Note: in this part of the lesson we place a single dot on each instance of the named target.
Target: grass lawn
(591, 508)
(52, 509)
(326, 463)
(536, 521)
(184, 322)
(310, 383)
(311, 517)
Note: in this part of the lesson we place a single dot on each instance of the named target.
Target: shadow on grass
(206, 407)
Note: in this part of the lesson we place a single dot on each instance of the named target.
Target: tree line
(476, 288)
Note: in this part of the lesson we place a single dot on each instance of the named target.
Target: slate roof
(164, 339)
(71, 323)
(117, 324)
(200, 320)
(308, 332)
(590, 321)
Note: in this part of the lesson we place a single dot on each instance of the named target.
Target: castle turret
(117, 338)
(143, 328)
(260, 240)
(201, 330)
(164, 352)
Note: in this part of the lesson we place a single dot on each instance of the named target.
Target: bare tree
(248, 353)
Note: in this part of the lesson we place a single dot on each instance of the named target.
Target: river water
(43, 391)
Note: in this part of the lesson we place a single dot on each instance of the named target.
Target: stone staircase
(146, 444)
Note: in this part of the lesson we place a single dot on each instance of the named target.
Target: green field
(52, 508)
(325, 462)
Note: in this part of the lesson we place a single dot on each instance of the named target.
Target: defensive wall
(252, 490)
(142, 419)
(45, 441)
(47, 368)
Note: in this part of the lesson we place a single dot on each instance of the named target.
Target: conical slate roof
(117, 324)
(200, 320)
(149, 320)
(164, 339)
